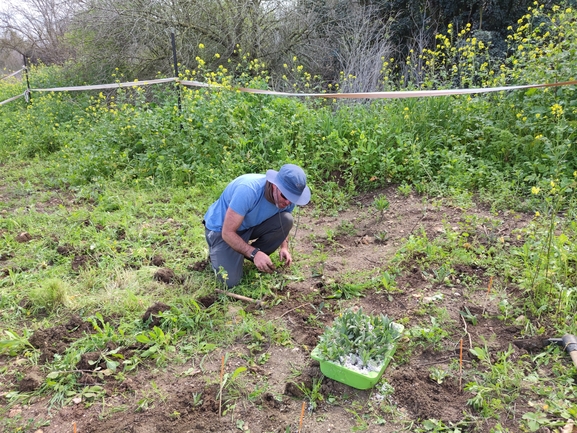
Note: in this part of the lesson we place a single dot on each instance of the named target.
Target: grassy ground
(80, 266)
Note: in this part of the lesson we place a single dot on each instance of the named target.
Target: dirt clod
(165, 275)
(207, 301)
(86, 379)
(209, 404)
(32, 381)
(5, 256)
(152, 313)
(52, 341)
(64, 250)
(157, 260)
(426, 399)
(80, 261)
(531, 344)
(23, 237)
(89, 361)
(291, 389)
(271, 401)
(199, 266)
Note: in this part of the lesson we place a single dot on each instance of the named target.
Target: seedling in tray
(357, 348)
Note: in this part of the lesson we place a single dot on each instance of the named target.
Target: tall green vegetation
(500, 144)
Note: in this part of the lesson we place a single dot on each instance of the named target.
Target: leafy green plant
(382, 236)
(431, 335)
(313, 394)
(468, 316)
(356, 338)
(346, 290)
(158, 344)
(388, 282)
(381, 204)
(437, 374)
(497, 385)
(88, 394)
(346, 228)
(535, 420)
(52, 294)
(405, 189)
(229, 385)
(15, 344)
(197, 398)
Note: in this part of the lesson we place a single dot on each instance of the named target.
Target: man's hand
(285, 256)
(263, 262)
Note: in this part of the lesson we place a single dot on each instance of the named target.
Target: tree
(37, 29)
(347, 44)
(134, 35)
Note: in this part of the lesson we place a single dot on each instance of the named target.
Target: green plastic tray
(351, 377)
(354, 378)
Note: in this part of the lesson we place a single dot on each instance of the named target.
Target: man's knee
(287, 222)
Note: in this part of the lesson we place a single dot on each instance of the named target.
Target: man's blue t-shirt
(245, 196)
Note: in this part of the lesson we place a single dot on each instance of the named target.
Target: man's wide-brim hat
(292, 182)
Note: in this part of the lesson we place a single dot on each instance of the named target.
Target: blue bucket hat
(292, 182)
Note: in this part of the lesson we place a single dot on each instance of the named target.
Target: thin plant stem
(488, 293)
(548, 257)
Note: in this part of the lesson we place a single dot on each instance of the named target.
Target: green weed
(14, 344)
(313, 394)
(50, 295)
(497, 385)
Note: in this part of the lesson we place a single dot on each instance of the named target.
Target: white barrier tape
(196, 83)
(11, 75)
(384, 95)
(106, 86)
(367, 95)
(11, 99)
(407, 94)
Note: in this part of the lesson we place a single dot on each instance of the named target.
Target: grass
(121, 228)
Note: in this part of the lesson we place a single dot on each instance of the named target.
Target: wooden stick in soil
(488, 292)
(239, 297)
(74, 427)
(302, 416)
(220, 393)
(461, 364)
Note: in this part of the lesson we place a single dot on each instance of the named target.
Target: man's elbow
(226, 236)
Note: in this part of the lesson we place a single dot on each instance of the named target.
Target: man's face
(279, 199)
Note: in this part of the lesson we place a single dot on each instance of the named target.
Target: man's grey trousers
(267, 236)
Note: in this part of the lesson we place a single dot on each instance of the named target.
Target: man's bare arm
(232, 222)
